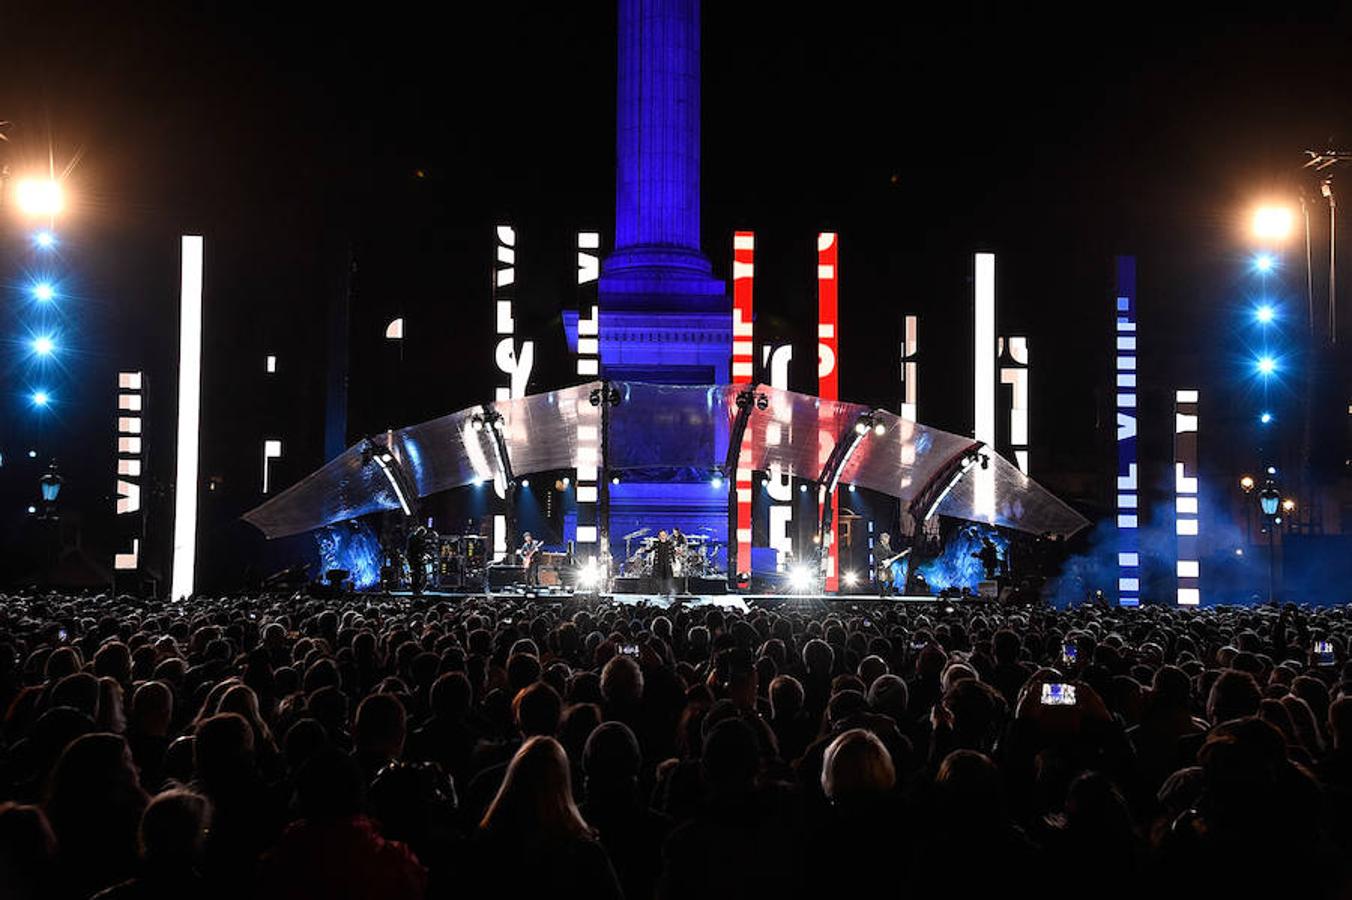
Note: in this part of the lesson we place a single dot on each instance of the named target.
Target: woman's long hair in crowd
(536, 796)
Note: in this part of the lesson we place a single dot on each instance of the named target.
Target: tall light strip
(743, 372)
(983, 378)
(588, 416)
(779, 482)
(130, 456)
(828, 383)
(1128, 536)
(189, 418)
(910, 349)
(1015, 374)
(514, 367)
(1186, 512)
(272, 449)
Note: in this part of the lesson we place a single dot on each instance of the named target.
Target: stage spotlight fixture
(32, 510)
(43, 346)
(800, 578)
(43, 291)
(1272, 223)
(41, 398)
(1288, 505)
(45, 240)
(1264, 262)
(615, 479)
(39, 196)
(716, 482)
(32, 454)
(1246, 483)
(1266, 365)
(861, 427)
(1239, 551)
(1265, 313)
(879, 429)
(851, 578)
(1265, 418)
(762, 402)
(802, 488)
(525, 482)
(476, 423)
(1272, 470)
(851, 489)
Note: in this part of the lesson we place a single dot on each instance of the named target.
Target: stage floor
(741, 602)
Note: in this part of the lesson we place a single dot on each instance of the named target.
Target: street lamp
(1269, 500)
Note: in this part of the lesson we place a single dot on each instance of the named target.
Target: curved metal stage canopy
(659, 426)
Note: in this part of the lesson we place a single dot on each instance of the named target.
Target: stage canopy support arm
(494, 422)
(380, 454)
(829, 478)
(748, 400)
(933, 491)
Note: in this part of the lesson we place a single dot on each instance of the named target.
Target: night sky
(303, 141)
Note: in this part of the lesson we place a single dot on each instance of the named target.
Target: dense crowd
(368, 747)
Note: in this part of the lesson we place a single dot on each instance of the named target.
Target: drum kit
(692, 558)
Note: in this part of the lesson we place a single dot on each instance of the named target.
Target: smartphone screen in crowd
(629, 649)
(1069, 653)
(1058, 694)
(1323, 653)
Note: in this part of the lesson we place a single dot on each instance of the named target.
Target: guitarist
(883, 571)
(530, 558)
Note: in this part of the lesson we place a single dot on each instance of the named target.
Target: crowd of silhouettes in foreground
(369, 747)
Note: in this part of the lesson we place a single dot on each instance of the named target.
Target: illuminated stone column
(1128, 538)
(1187, 518)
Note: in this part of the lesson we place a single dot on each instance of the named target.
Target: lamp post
(50, 486)
(1269, 500)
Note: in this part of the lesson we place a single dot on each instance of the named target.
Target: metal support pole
(746, 403)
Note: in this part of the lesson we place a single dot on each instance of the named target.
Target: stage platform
(741, 602)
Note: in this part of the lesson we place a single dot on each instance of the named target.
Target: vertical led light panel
(1128, 537)
(910, 387)
(983, 380)
(1186, 512)
(828, 381)
(778, 482)
(1016, 376)
(130, 426)
(588, 416)
(743, 372)
(189, 418)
